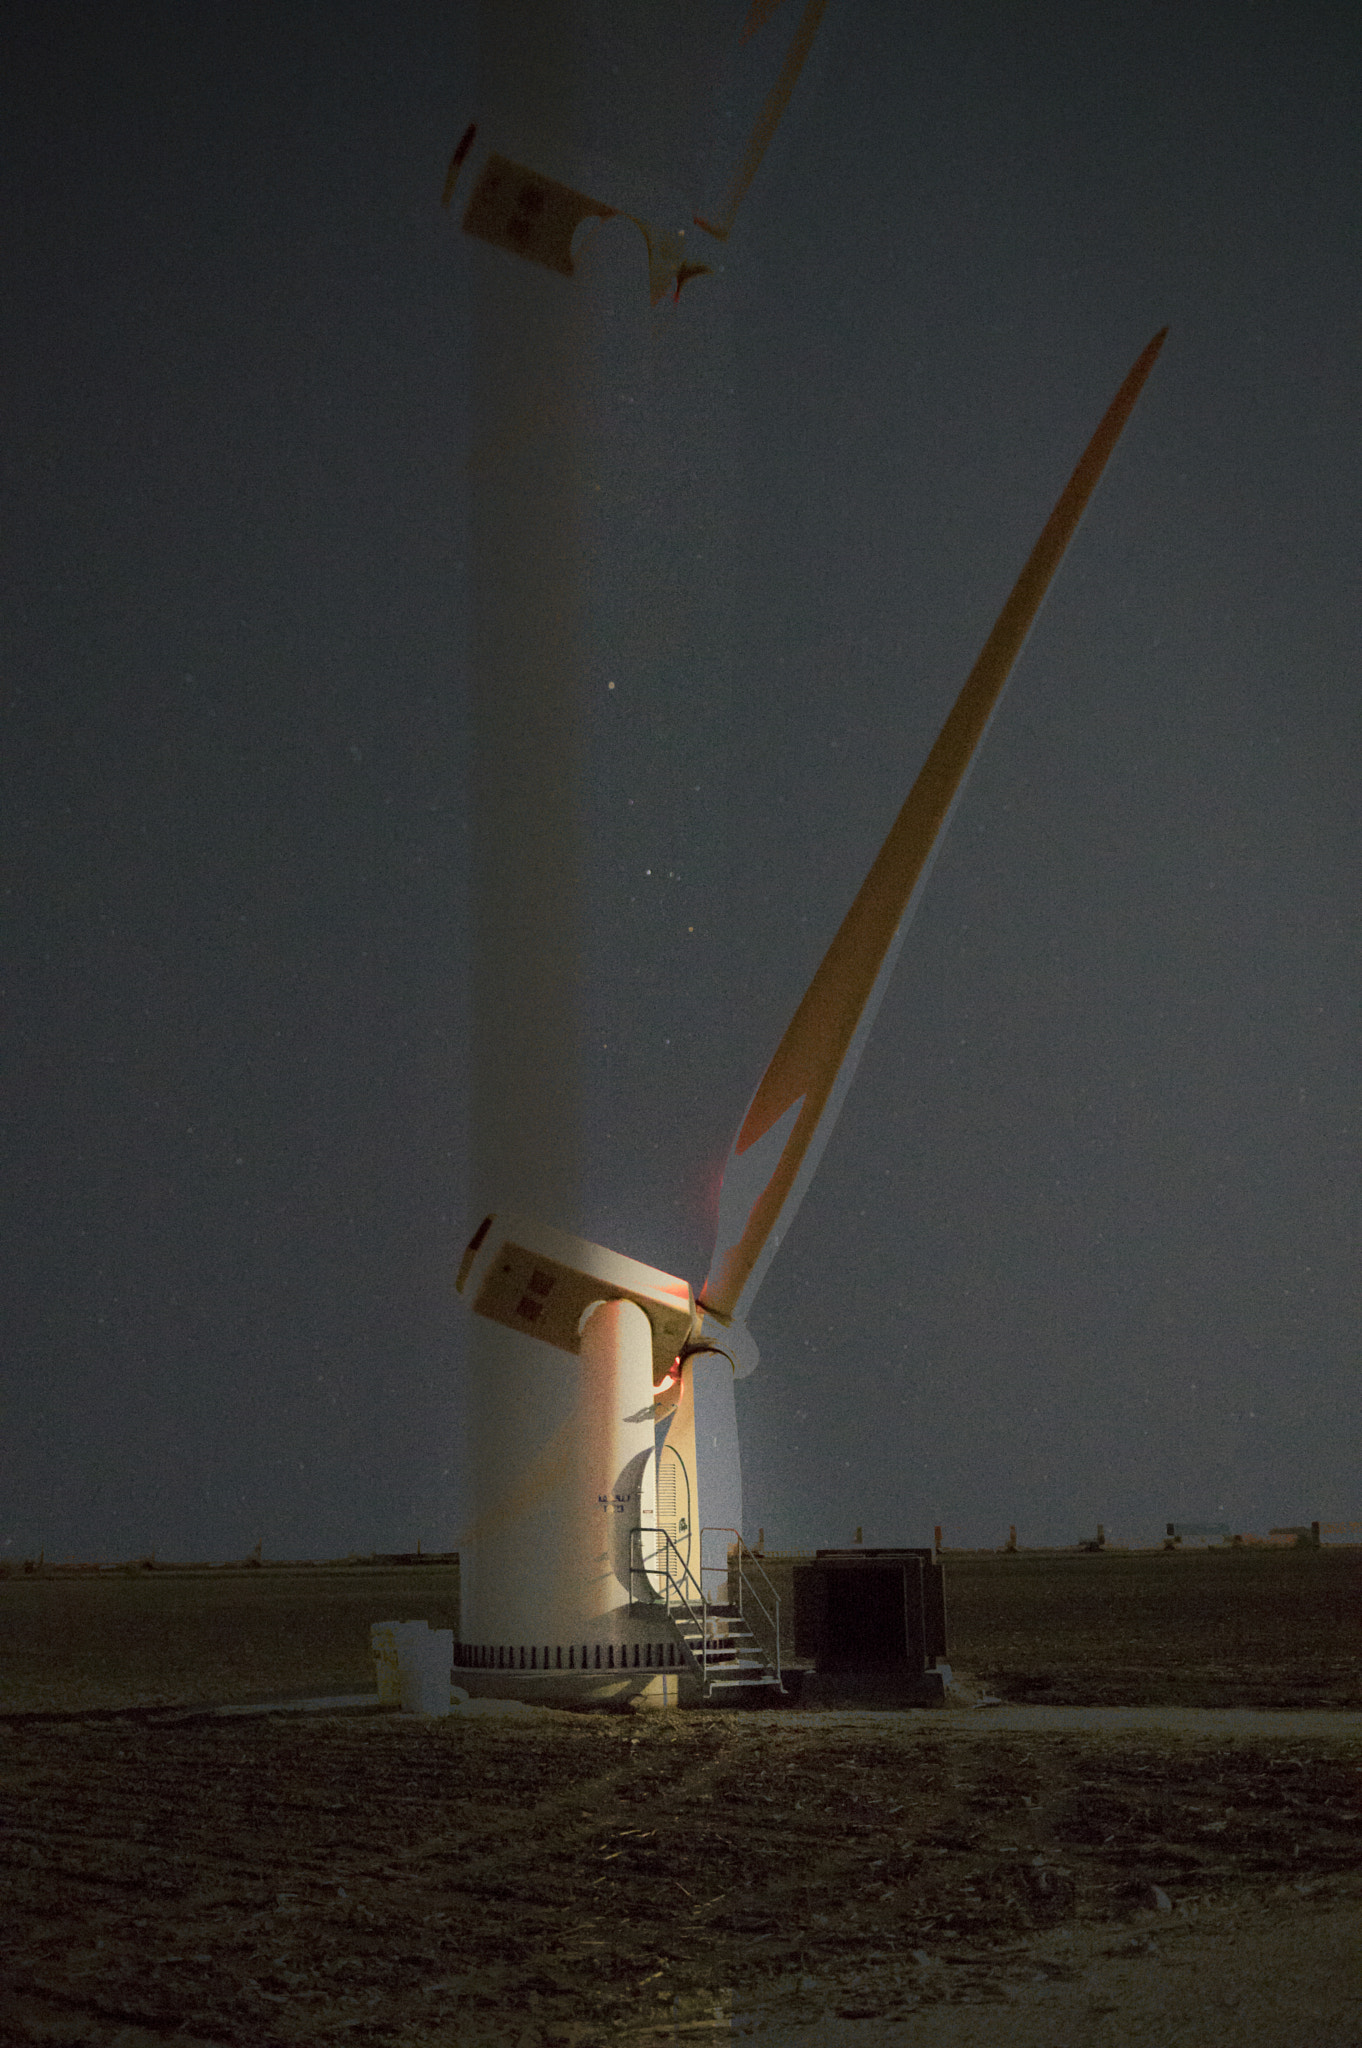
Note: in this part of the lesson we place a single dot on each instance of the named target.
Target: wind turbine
(577, 1567)
(658, 118)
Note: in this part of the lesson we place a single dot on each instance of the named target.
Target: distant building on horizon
(1197, 1535)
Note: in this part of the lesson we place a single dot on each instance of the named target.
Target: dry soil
(1021, 1874)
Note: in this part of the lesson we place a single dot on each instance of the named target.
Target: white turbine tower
(626, 115)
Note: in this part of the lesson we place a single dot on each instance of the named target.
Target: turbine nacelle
(538, 213)
(544, 1283)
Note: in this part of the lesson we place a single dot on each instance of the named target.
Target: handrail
(713, 1529)
(658, 1566)
(649, 1567)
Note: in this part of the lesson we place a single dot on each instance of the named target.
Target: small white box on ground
(383, 1643)
(425, 1663)
(413, 1664)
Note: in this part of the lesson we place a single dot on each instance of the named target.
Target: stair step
(728, 1654)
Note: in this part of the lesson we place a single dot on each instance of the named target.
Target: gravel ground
(1143, 1858)
(551, 1878)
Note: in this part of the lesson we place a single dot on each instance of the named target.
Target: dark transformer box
(874, 1623)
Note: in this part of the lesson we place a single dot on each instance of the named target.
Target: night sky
(1083, 1245)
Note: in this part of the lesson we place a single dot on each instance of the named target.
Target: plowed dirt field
(561, 1878)
(172, 1876)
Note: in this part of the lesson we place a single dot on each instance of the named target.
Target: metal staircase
(728, 1654)
(718, 1642)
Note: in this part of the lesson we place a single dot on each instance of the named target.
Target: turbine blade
(774, 105)
(801, 1092)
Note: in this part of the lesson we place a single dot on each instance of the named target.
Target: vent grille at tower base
(567, 1657)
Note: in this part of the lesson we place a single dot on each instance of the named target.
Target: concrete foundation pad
(326, 1703)
(866, 1688)
(679, 1688)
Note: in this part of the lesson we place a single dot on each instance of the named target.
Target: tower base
(631, 1654)
(645, 1689)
